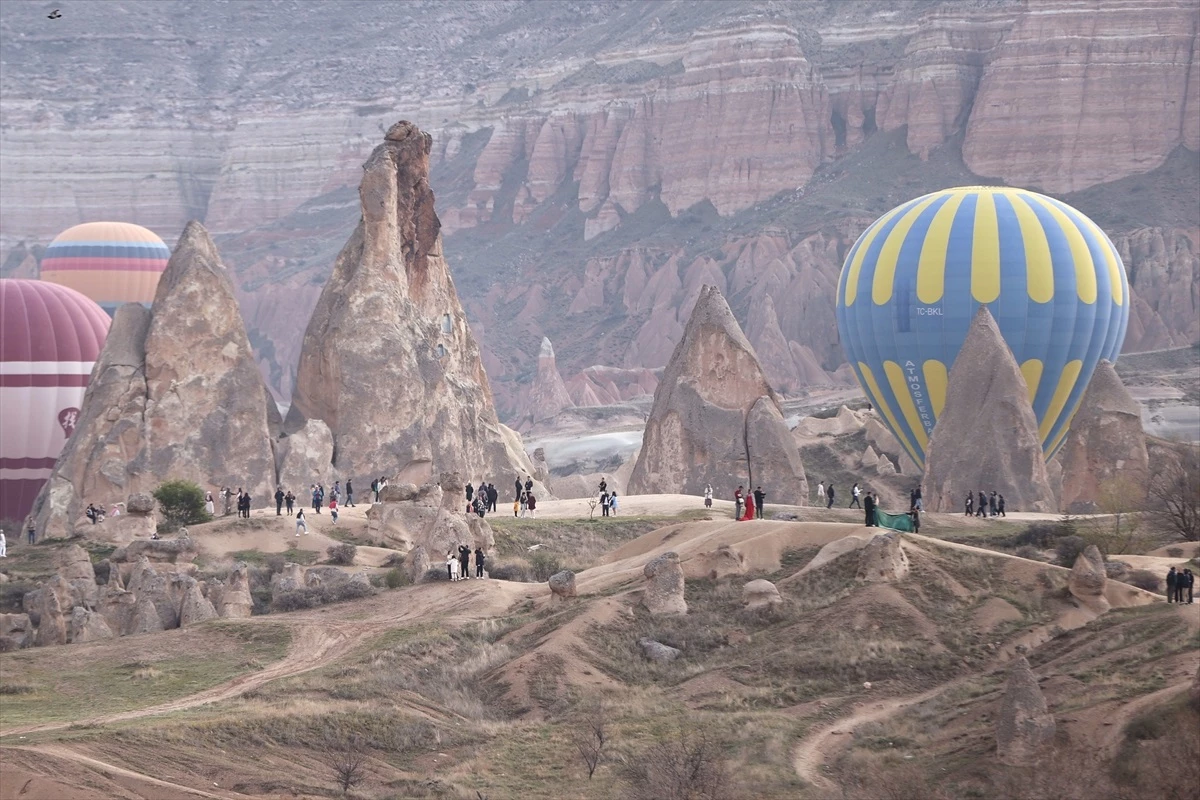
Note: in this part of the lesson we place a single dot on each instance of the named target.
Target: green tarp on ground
(897, 522)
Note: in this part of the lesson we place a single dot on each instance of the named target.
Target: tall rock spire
(175, 394)
(715, 419)
(388, 362)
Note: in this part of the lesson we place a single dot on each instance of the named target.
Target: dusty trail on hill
(112, 771)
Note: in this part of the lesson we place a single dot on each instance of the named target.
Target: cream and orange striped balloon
(110, 262)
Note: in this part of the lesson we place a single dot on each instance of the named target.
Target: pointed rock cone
(986, 437)
(1024, 726)
(1104, 459)
(388, 362)
(715, 418)
(548, 395)
(175, 394)
(1088, 579)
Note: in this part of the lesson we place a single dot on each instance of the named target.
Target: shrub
(276, 563)
(512, 571)
(181, 503)
(544, 565)
(687, 764)
(1067, 549)
(342, 554)
(299, 599)
(1041, 535)
(1144, 579)
(1030, 552)
(395, 578)
(395, 560)
(437, 573)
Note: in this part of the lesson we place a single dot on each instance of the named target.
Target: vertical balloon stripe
(1102, 251)
(881, 401)
(1085, 270)
(864, 244)
(1039, 265)
(985, 251)
(931, 273)
(899, 384)
(1066, 382)
(1061, 436)
(1031, 370)
(885, 266)
(936, 379)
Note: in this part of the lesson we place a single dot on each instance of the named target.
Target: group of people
(988, 506)
(482, 500)
(458, 564)
(525, 502)
(746, 505)
(1179, 583)
(608, 500)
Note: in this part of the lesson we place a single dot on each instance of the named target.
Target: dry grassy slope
(455, 689)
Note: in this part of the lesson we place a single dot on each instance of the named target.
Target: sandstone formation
(760, 594)
(1104, 458)
(883, 560)
(562, 584)
(715, 564)
(16, 632)
(664, 591)
(1088, 578)
(194, 607)
(388, 362)
(175, 394)
(429, 517)
(548, 395)
(1024, 725)
(87, 626)
(417, 563)
(715, 418)
(657, 651)
(305, 456)
(236, 602)
(604, 386)
(986, 436)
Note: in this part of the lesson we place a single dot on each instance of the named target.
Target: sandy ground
(269, 533)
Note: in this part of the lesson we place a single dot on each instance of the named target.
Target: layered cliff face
(608, 158)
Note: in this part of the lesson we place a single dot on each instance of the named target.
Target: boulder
(87, 626)
(195, 607)
(119, 609)
(869, 458)
(176, 391)
(388, 361)
(235, 601)
(664, 592)
(1088, 578)
(305, 456)
(149, 585)
(715, 564)
(986, 436)
(417, 563)
(159, 551)
(562, 584)
(884, 467)
(16, 632)
(883, 560)
(657, 651)
(74, 563)
(146, 618)
(47, 612)
(360, 578)
(1024, 726)
(289, 580)
(759, 594)
(1104, 459)
(715, 419)
(140, 503)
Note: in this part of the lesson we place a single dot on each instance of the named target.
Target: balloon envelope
(50, 337)
(1051, 278)
(110, 262)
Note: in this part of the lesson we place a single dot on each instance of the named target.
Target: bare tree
(592, 507)
(1175, 489)
(347, 760)
(591, 735)
(689, 765)
(1120, 501)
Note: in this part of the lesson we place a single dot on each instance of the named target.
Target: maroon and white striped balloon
(50, 337)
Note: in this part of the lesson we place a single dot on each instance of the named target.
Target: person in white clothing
(708, 496)
(452, 565)
(854, 493)
(210, 505)
(821, 493)
(301, 523)
(3, 546)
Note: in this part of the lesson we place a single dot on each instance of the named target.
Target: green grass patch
(257, 558)
(59, 684)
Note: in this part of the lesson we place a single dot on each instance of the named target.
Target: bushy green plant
(395, 578)
(342, 554)
(181, 503)
(544, 565)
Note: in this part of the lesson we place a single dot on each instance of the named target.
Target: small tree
(592, 507)
(1121, 501)
(347, 761)
(689, 765)
(181, 503)
(1175, 489)
(342, 554)
(590, 737)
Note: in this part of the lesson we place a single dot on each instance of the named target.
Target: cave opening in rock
(446, 325)
(869, 125)
(838, 120)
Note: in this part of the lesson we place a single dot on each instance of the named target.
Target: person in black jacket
(464, 560)
(981, 506)
(1172, 580)
(349, 494)
(1191, 581)
(829, 494)
(759, 498)
(470, 493)
(279, 496)
(869, 509)
(492, 495)
(479, 559)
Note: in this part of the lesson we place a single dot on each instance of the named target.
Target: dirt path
(818, 747)
(110, 770)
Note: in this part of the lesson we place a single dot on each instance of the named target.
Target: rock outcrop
(17, 631)
(883, 560)
(1104, 459)
(429, 517)
(194, 607)
(760, 594)
(1088, 578)
(548, 395)
(715, 419)
(87, 626)
(715, 564)
(304, 457)
(986, 436)
(1024, 726)
(664, 591)
(388, 361)
(562, 584)
(175, 393)
(658, 652)
(236, 602)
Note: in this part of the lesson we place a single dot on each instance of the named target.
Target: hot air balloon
(1050, 277)
(110, 262)
(50, 336)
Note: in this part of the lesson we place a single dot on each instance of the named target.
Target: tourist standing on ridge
(917, 502)
(349, 493)
(1191, 581)
(603, 486)
(737, 503)
(760, 497)
(612, 503)
(749, 513)
(227, 496)
(1000, 505)
(3, 546)
(517, 484)
(916, 519)
(333, 509)
(451, 564)
(336, 492)
(969, 503)
(1172, 579)
(708, 496)
(492, 495)
(279, 498)
(981, 505)
(210, 507)
(316, 498)
(992, 505)
(829, 492)
(869, 509)
(854, 493)
(528, 484)
(301, 523)
(470, 490)
(604, 504)
(821, 493)
(290, 499)
(479, 559)
(375, 491)
(464, 560)
(531, 503)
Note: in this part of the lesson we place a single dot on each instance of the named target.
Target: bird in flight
(53, 14)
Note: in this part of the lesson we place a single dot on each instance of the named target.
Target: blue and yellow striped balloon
(912, 282)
